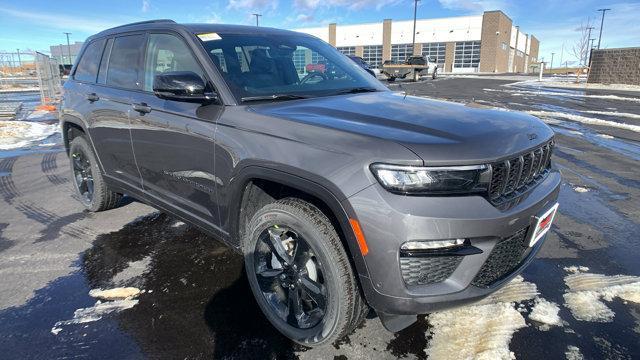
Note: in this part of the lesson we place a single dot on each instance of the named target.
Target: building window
(519, 53)
(316, 58)
(299, 61)
(347, 50)
(504, 46)
(400, 52)
(467, 54)
(436, 52)
(372, 54)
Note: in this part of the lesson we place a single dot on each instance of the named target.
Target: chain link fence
(49, 82)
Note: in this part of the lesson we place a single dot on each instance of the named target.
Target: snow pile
(481, 331)
(123, 299)
(584, 119)
(546, 92)
(546, 312)
(581, 189)
(18, 134)
(574, 269)
(587, 293)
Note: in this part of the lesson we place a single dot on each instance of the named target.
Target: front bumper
(388, 220)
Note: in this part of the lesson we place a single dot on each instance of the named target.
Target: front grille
(505, 257)
(514, 176)
(428, 270)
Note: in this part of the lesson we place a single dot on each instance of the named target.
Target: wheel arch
(248, 197)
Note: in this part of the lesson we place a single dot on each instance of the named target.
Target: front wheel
(435, 74)
(300, 274)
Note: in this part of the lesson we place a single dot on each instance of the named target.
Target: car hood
(439, 132)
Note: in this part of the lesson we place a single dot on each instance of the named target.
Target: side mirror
(184, 86)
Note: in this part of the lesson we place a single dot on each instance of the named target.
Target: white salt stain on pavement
(483, 330)
(18, 134)
(123, 299)
(584, 119)
(588, 292)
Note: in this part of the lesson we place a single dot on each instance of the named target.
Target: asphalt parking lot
(579, 299)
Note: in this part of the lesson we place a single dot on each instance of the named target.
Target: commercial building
(485, 43)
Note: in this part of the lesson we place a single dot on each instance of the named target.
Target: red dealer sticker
(543, 224)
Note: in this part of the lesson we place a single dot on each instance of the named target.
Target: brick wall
(615, 66)
(496, 30)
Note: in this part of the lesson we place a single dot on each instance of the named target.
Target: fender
(306, 182)
(71, 119)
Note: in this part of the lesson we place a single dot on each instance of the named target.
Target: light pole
(68, 48)
(257, 16)
(551, 65)
(586, 54)
(415, 11)
(601, 25)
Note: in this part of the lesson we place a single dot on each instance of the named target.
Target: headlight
(433, 180)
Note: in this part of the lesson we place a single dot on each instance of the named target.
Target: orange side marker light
(355, 225)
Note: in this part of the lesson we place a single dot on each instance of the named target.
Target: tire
(344, 307)
(101, 197)
(435, 74)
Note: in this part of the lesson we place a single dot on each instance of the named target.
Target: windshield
(260, 66)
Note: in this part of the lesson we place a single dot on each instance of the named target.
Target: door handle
(142, 108)
(92, 97)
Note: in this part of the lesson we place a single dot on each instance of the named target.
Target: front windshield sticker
(209, 37)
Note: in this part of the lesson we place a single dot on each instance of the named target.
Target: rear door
(119, 80)
(173, 141)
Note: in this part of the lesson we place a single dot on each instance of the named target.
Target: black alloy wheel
(82, 175)
(290, 277)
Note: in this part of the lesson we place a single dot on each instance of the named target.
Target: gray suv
(342, 195)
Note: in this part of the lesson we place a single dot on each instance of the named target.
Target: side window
(87, 69)
(124, 62)
(166, 53)
(102, 74)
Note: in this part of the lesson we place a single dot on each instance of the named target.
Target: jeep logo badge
(532, 136)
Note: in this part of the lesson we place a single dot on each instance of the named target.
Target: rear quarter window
(87, 69)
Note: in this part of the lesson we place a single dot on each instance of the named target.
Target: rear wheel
(300, 274)
(88, 182)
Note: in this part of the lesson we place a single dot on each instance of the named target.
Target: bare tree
(580, 49)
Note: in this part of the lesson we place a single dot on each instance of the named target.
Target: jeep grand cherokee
(341, 194)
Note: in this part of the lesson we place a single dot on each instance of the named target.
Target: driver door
(173, 140)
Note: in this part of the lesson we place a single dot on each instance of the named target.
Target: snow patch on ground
(177, 224)
(121, 293)
(483, 330)
(584, 119)
(612, 113)
(547, 92)
(580, 189)
(574, 269)
(95, 313)
(546, 313)
(573, 353)
(587, 293)
(18, 134)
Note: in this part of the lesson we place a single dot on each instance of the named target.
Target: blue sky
(29, 24)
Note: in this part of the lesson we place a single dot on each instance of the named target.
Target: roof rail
(157, 21)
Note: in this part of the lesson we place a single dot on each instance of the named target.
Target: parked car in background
(363, 64)
(340, 194)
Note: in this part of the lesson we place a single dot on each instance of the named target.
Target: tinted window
(167, 53)
(267, 64)
(102, 74)
(125, 62)
(87, 69)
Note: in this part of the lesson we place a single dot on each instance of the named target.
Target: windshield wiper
(356, 90)
(273, 97)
